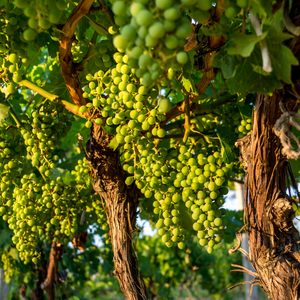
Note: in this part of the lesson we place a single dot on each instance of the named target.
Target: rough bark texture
(49, 284)
(121, 202)
(274, 244)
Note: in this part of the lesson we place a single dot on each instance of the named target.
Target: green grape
(210, 250)
(135, 8)
(11, 87)
(203, 242)
(172, 14)
(120, 43)
(163, 4)
(29, 35)
(164, 105)
(204, 4)
(144, 18)
(230, 12)
(13, 58)
(30, 12)
(156, 30)
(128, 32)
(200, 16)
(182, 57)
(55, 15)
(119, 7)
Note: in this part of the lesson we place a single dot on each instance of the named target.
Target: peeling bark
(121, 202)
(274, 243)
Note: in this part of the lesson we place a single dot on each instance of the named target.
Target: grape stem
(200, 110)
(187, 123)
(53, 98)
(90, 50)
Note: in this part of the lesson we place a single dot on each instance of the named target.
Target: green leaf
(113, 144)
(81, 28)
(262, 8)
(281, 56)
(3, 2)
(57, 172)
(188, 83)
(227, 140)
(4, 111)
(45, 40)
(96, 26)
(249, 78)
(227, 63)
(243, 44)
(245, 111)
(53, 48)
(215, 29)
(5, 238)
(110, 129)
(13, 253)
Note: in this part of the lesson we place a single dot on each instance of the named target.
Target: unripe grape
(119, 7)
(164, 105)
(144, 18)
(182, 57)
(163, 4)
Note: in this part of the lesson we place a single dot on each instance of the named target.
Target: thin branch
(241, 283)
(53, 98)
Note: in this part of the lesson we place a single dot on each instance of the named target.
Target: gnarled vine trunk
(121, 202)
(274, 244)
(273, 240)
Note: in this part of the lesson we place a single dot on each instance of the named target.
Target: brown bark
(121, 202)
(274, 244)
(49, 284)
(69, 70)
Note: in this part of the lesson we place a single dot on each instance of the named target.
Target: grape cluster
(40, 15)
(9, 265)
(153, 37)
(188, 192)
(41, 206)
(188, 189)
(122, 101)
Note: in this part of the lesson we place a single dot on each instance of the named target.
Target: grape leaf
(110, 129)
(249, 76)
(243, 44)
(81, 28)
(188, 84)
(281, 56)
(262, 8)
(113, 144)
(45, 40)
(227, 140)
(4, 111)
(227, 63)
(13, 252)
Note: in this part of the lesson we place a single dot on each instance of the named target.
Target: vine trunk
(121, 202)
(274, 244)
